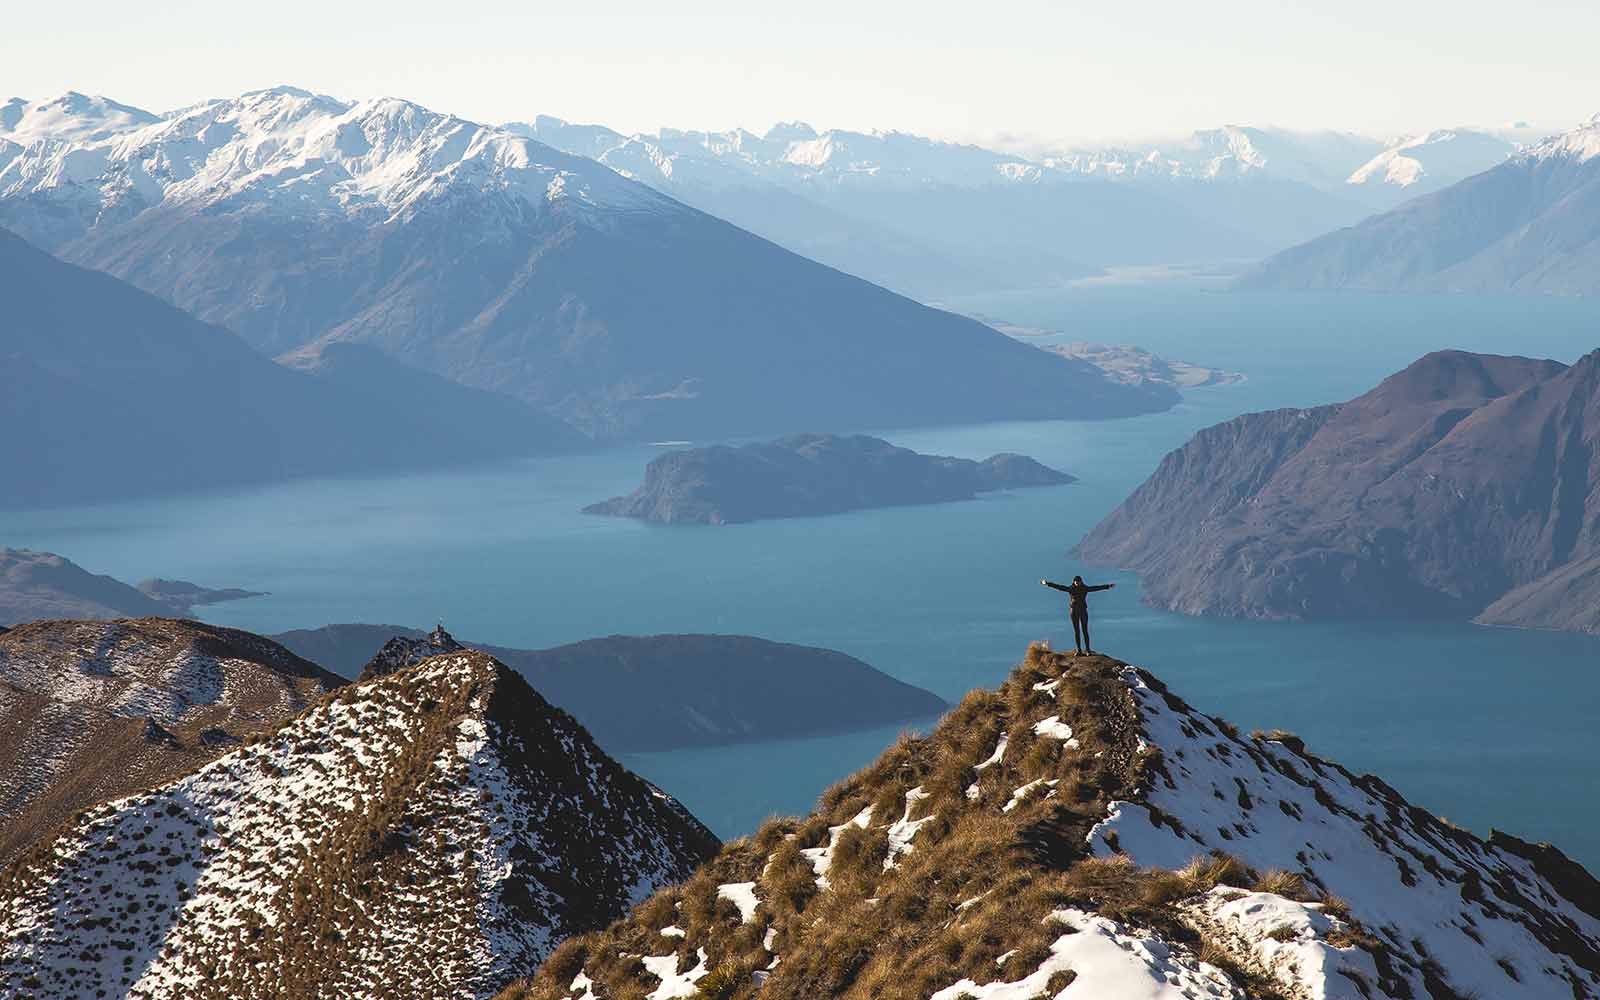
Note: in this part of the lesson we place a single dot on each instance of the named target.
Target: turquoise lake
(1490, 727)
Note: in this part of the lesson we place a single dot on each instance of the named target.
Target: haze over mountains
(108, 392)
(937, 218)
(1465, 485)
(297, 221)
(1529, 225)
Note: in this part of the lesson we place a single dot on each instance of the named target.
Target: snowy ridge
(418, 835)
(1581, 144)
(1153, 855)
(1451, 907)
(294, 153)
(1434, 159)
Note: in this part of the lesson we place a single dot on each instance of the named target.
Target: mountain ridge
(411, 836)
(1530, 225)
(1084, 832)
(504, 264)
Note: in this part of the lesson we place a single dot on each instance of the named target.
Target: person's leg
(1077, 631)
(1087, 646)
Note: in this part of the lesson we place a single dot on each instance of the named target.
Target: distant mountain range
(299, 221)
(1530, 224)
(935, 218)
(107, 392)
(420, 835)
(1466, 485)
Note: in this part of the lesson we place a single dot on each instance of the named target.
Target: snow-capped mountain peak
(292, 150)
(1581, 144)
(71, 117)
(1434, 159)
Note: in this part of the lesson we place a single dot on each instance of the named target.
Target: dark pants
(1080, 629)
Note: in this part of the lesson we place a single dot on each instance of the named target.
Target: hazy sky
(957, 70)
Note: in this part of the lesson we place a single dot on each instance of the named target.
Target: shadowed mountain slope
(107, 392)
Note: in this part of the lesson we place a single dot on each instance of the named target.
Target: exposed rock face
(1465, 484)
(93, 710)
(811, 474)
(420, 835)
(1531, 224)
(501, 263)
(1084, 832)
(403, 651)
(107, 392)
(664, 692)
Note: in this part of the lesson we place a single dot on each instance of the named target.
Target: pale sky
(970, 70)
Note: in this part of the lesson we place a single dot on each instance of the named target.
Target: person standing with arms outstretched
(1079, 592)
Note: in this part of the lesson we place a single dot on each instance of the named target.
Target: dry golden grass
(978, 883)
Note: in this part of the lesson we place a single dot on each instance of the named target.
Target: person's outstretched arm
(1101, 586)
(1054, 586)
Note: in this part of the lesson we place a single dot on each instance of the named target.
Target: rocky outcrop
(811, 474)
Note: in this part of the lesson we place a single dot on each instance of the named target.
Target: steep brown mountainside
(420, 835)
(1465, 484)
(1084, 834)
(92, 710)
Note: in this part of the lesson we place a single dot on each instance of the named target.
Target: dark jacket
(1079, 592)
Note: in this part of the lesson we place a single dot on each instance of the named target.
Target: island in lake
(811, 474)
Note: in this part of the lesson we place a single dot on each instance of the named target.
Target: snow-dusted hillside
(1083, 834)
(92, 709)
(419, 835)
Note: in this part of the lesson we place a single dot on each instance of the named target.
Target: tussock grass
(977, 884)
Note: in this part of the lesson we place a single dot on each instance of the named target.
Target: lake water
(1485, 726)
